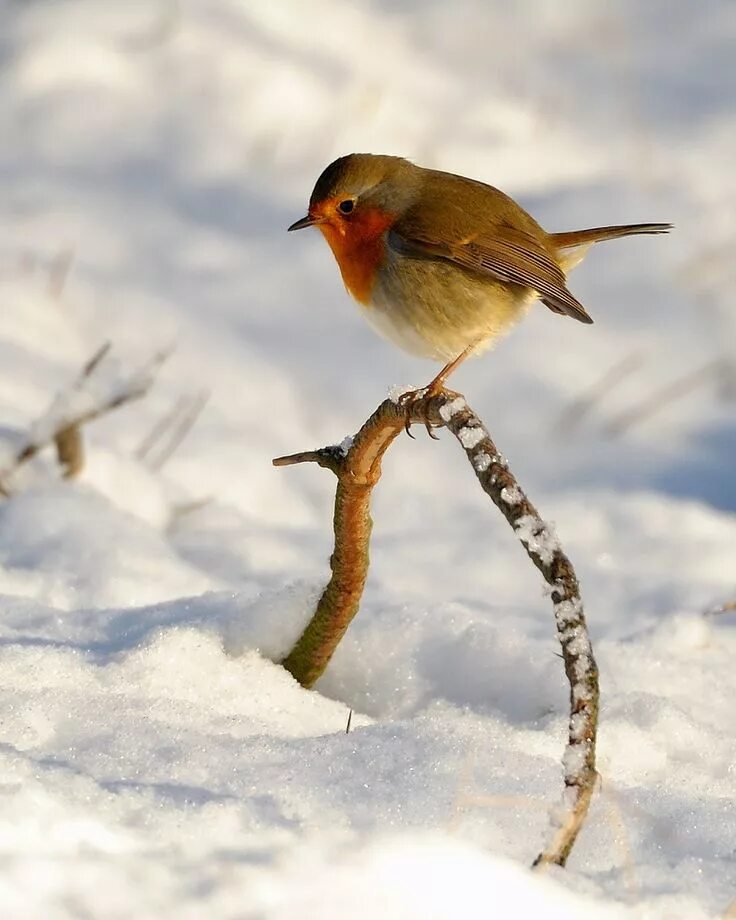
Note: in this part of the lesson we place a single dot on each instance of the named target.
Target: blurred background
(154, 153)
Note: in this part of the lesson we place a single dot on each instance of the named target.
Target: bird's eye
(345, 207)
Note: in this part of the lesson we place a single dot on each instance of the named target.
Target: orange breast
(359, 249)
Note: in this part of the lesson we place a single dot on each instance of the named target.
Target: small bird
(440, 264)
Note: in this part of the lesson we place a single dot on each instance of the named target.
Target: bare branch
(181, 510)
(87, 399)
(70, 451)
(571, 417)
(61, 266)
(683, 386)
(94, 361)
(160, 428)
(331, 458)
(720, 609)
(358, 469)
(178, 423)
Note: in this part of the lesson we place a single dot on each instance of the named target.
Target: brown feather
(596, 234)
(479, 228)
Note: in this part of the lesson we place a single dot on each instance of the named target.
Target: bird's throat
(360, 249)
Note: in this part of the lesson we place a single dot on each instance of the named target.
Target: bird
(440, 264)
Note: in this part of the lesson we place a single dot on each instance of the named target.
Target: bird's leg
(438, 384)
(434, 388)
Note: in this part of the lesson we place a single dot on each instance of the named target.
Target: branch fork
(357, 465)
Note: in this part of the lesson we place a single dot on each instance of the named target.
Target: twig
(178, 424)
(160, 428)
(358, 468)
(70, 451)
(94, 362)
(663, 397)
(68, 440)
(571, 417)
(181, 510)
(728, 607)
(82, 403)
(59, 269)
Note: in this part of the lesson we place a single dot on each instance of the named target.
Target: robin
(440, 264)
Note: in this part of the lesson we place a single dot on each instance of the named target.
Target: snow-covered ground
(154, 762)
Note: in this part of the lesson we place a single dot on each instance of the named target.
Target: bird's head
(358, 191)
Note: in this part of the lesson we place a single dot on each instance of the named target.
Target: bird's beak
(308, 221)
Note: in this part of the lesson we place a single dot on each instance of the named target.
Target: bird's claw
(411, 400)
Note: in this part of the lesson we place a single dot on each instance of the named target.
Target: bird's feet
(416, 403)
(411, 400)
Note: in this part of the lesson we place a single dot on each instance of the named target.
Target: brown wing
(480, 228)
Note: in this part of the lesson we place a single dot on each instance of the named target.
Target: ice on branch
(452, 408)
(471, 437)
(512, 495)
(538, 537)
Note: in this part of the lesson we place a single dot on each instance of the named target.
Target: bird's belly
(436, 310)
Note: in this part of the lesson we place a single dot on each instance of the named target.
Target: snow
(565, 610)
(445, 878)
(539, 538)
(512, 495)
(471, 437)
(448, 409)
(573, 760)
(155, 760)
(397, 390)
(345, 445)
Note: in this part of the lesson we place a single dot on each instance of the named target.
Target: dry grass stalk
(169, 432)
(713, 371)
(70, 451)
(572, 416)
(357, 466)
(59, 270)
(720, 609)
(77, 406)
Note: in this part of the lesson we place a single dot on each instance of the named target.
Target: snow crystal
(568, 610)
(578, 722)
(573, 760)
(578, 642)
(537, 536)
(452, 408)
(560, 813)
(481, 461)
(581, 667)
(346, 443)
(512, 495)
(471, 437)
(580, 692)
(396, 391)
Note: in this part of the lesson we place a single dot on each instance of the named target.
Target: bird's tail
(573, 245)
(586, 237)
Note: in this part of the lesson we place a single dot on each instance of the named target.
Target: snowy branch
(357, 465)
(720, 609)
(89, 397)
